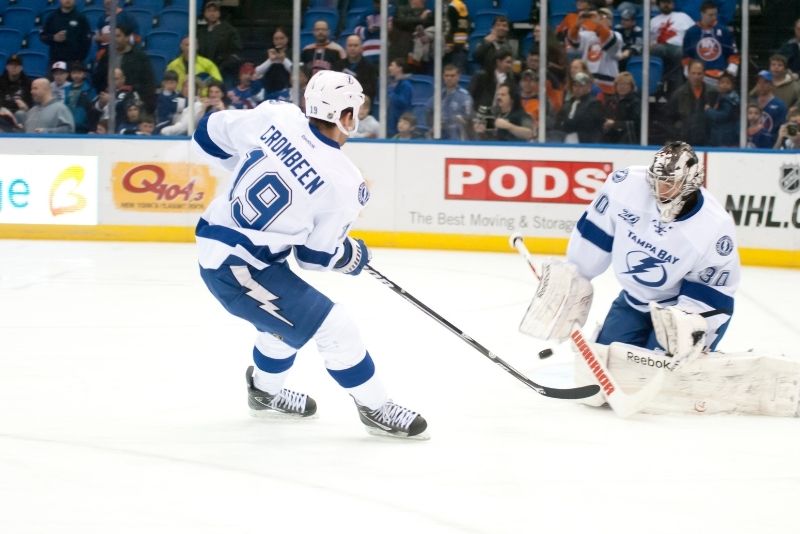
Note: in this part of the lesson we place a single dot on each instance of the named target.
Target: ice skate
(393, 420)
(285, 403)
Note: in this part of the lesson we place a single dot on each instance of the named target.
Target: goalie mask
(329, 93)
(675, 174)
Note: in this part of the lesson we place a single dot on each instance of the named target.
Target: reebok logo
(648, 361)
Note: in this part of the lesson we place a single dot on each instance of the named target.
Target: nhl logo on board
(790, 178)
(363, 194)
(724, 245)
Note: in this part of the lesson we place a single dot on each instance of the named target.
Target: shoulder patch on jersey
(620, 175)
(628, 217)
(601, 204)
(724, 245)
(363, 194)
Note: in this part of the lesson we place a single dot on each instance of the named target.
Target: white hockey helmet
(676, 173)
(328, 93)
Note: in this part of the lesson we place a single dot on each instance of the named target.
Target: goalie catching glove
(682, 335)
(561, 302)
(356, 256)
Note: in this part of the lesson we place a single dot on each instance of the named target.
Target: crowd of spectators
(490, 79)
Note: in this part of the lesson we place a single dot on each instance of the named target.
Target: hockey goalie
(672, 248)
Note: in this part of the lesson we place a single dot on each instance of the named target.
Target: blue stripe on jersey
(356, 375)
(309, 255)
(272, 365)
(233, 238)
(640, 303)
(592, 233)
(707, 295)
(324, 138)
(695, 208)
(204, 140)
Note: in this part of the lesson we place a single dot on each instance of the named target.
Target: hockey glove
(682, 335)
(356, 256)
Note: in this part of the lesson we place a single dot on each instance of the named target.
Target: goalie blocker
(562, 301)
(711, 383)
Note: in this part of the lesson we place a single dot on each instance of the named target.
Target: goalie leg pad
(743, 383)
(562, 300)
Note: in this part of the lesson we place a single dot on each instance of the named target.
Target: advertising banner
(484, 190)
(161, 187)
(52, 189)
(762, 194)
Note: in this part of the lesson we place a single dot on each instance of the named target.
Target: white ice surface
(123, 410)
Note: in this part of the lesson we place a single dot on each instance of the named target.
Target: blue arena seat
(33, 42)
(154, 6)
(366, 4)
(3, 7)
(10, 39)
(42, 16)
(19, 18)
(174, 20)
(144, 18)
(420, 111)
(159, 63)
(422, 86)
(93, 15)
(354, 16)
(35, 64)
(161, 42)
(525, 45)
(482, 20)
(331, 16)
(37, 6)
(306, 38)
(690, 7)
(561, 6)
(635, 66)
(518, 10)
(479, 5)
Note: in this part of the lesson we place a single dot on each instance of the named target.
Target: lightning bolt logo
(640, 263)
(645, 264)
(258, 292)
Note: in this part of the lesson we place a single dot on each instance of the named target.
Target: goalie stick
(556, 393)
(623, 404)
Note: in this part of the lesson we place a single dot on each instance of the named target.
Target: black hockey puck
(546, 353)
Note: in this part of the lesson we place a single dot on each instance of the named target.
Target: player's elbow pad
(355, 258)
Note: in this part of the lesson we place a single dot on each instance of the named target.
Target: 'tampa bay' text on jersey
(692, 262)
(292, 189)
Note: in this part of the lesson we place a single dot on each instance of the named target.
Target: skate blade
(424, 436)
(279, 416)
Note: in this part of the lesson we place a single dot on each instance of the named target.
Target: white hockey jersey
(292, 189)
(692, 262)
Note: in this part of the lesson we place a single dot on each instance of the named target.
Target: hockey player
(672, 248)
(293, 192)
(668, 241)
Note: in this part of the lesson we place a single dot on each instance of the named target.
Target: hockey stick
(623, 404)
(556, 393)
